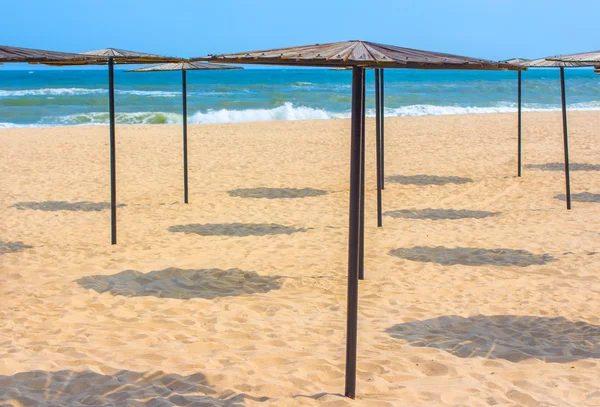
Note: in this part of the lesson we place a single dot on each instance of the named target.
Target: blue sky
(493, 29)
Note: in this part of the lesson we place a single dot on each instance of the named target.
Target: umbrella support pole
(519, 114)
(113, 166)
(353, 233)
(382, 113)
(361, 252)
(185, 144)
(565, 136)
(378, 146)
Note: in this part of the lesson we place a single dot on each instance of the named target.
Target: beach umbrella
(110, 57)
(549, 63)
(593, 57)
(37, 56)
(185, 66)
(359, 55)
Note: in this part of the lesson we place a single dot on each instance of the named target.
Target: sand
(481, 288)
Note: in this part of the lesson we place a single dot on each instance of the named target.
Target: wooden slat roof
(357, 53)
(121, 56)
(591, 58)
(544, 63)
(184, 66)
(18, 54)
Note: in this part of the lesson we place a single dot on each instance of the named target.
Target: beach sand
(481, 288)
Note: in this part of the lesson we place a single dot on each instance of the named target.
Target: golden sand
(481, 291)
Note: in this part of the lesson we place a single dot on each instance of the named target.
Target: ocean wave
(83, 91)
(285, 112)
(50, 92)
(4, 125)
(434, 110)
(101, 118)
(154, 93)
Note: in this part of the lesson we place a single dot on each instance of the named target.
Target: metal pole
(353, 234)
(113, 167)
(378, 147)
(361, 252)
(382, 130)
(185, 149)
(565, 136)
(519, 123)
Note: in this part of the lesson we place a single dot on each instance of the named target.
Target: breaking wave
(82, 91)
(287, 111)
(50, 92)
(101, 118)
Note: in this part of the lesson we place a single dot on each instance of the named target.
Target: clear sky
(493, 29)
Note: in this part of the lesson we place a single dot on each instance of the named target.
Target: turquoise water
(75, 97)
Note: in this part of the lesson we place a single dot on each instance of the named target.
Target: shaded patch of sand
(472, 256)
(73, 388)
(52, 206)
(182, 284)
(511, 337)
(276, 193)
(439, 214)
(427, 179)
(561, 167)
(12, 247)
(235, 229)
(580, 197)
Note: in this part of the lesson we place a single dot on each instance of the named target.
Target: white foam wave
(101, 118)
(154, 93)
(50, 92)
(433, 110)
(5, 125)
(83, 91)
(285, 112)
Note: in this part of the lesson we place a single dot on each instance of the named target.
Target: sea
(76, 96)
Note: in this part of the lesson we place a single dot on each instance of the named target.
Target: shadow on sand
(439, 214)
(580, 197)
(510, 337)
(12, 247)
(561, 167)
(235, 229)
(426, 180)
(53, 206)
(70, 388)
(182, 284)
(276, 193)
(471, 256)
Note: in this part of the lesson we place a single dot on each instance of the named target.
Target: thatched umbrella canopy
(185, 66)
(591, 58)
(122, 56)
(30, 55)
(359, 55)
(545, 63)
